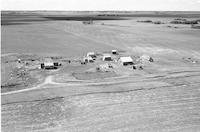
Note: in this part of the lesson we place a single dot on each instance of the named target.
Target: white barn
(91, 54)
(126, 60)
(48, 64)
(107, 57)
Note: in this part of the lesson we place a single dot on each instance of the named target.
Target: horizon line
(108, 10)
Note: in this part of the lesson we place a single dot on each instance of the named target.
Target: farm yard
(74, 91)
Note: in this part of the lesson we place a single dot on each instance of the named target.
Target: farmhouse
(107, 57)
(126, 60)
(49, 64)
(91, 54)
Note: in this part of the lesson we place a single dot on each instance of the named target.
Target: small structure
(19, 60)
(126, 60)
(91, 54)
(107, 57)
(88, 59)
(114, 52)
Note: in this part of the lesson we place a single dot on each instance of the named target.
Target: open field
(164, 96)
(72, 38)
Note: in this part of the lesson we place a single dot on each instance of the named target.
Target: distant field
(19, 17)
(54, 34)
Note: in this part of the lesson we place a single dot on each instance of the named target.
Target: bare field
(72, 38)
(164, 96)
(160, 103)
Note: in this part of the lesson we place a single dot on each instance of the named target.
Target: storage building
(107, 57)
(126, 60)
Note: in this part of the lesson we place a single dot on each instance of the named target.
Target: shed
(126, 60)
(114, 52)
(107, 57)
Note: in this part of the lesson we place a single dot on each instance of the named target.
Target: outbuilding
(126, 60)
(114, 52)
(107, 57)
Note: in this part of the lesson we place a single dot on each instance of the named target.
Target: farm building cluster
(91, 57)
(113, 56)
(92, 65)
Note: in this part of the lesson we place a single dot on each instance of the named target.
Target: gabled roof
(126, 59)
(88, 57)
(48, 64)
(90, 53)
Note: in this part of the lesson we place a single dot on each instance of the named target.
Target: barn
(126, 61)
(91, 54)
(48, 64)
(107, 57)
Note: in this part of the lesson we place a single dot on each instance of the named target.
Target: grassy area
(93, 75)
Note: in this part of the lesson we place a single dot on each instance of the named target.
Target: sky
(94, 5)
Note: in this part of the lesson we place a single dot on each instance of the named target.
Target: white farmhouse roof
(90, 53)
(126, 59)
(107, 57)
(48, 64)
(88, 57)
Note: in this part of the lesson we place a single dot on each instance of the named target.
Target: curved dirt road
(161, 103)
